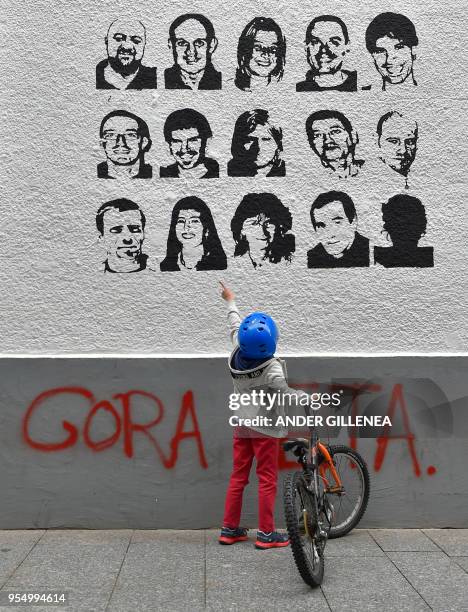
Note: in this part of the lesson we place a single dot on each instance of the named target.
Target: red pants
(265, 451)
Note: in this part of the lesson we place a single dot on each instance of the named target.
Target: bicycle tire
(345, 520)
(312, 574)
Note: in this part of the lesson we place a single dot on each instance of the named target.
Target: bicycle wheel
(350, 505)
(301, 522)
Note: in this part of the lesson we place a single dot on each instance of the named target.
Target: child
(253, 366)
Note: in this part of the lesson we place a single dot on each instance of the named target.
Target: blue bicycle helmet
(257, 336)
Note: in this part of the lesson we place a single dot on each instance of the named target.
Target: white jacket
(270, 376)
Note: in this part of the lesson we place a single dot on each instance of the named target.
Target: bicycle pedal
(335, 490)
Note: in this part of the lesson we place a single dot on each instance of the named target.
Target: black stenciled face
(121, 140)
(264, 56)
(331, 141)
(125, 46)
(191, 46)
(398, 143)
(258, 231)
(260, 147)
(327, 47)
(393, 59)
(186, 147)
(123, 234)
(189, 228)
(333, 228)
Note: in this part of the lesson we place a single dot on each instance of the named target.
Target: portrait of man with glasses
(125, 139)
(192, 41)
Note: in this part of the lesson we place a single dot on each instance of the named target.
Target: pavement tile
(358, 543)
(239, 577)
(87, 536)
(452, 541)
(70, 565)
(462, 562)
(166, 571)
(438, 579)
(14, 547)
(83, 599)
(401, 540)
(368, 584)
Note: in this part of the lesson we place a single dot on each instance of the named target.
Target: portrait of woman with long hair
(260, 228)
(193, 242)
(256, 146)
(261, 54)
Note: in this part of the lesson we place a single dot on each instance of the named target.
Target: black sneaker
(231, 536)
(271, 540)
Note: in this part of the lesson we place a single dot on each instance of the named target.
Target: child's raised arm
(234, 318)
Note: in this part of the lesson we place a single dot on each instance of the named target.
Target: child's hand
(226, 293)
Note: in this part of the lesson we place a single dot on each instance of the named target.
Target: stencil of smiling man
(125, 43)
(192, 41)
(333, 139)
(121, 227)
(397, 138)
(327, 43)
(187, 131)
(391, 39)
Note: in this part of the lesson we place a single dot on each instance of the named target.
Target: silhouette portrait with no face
(256, 146)
(192, 41)
(404, 221)
(327, 43)
(125, 139)
(260, 228)
(193, 242)
(186, 131)
(261, 54)
(334, 220)
(121, 227)
(123, 68)
(391, 40)
(333, 139)
(397, 138)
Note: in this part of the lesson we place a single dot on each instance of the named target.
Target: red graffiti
(125, 425)
(396, 399)
(383, 440)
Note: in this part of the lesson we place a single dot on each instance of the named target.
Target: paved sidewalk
(133, 571)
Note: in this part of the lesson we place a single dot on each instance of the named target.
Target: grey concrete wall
(173, 473)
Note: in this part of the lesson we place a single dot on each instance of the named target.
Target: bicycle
(330, 474)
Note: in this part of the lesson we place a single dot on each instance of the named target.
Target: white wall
(54, 299)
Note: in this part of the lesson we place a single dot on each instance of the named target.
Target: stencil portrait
(193, 242)
(404, 224)
(125, 139)
(261, 228)
(193, 42)
(123, 69)
(340, 245)
(333, 140)
(327, 44)
(187, 132)
(397, 139)
(391, 39)
(257, 146)
(121, 231)
(261, 55)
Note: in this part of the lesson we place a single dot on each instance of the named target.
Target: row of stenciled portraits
(390, 38)
(262, 235)
(256, 146)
